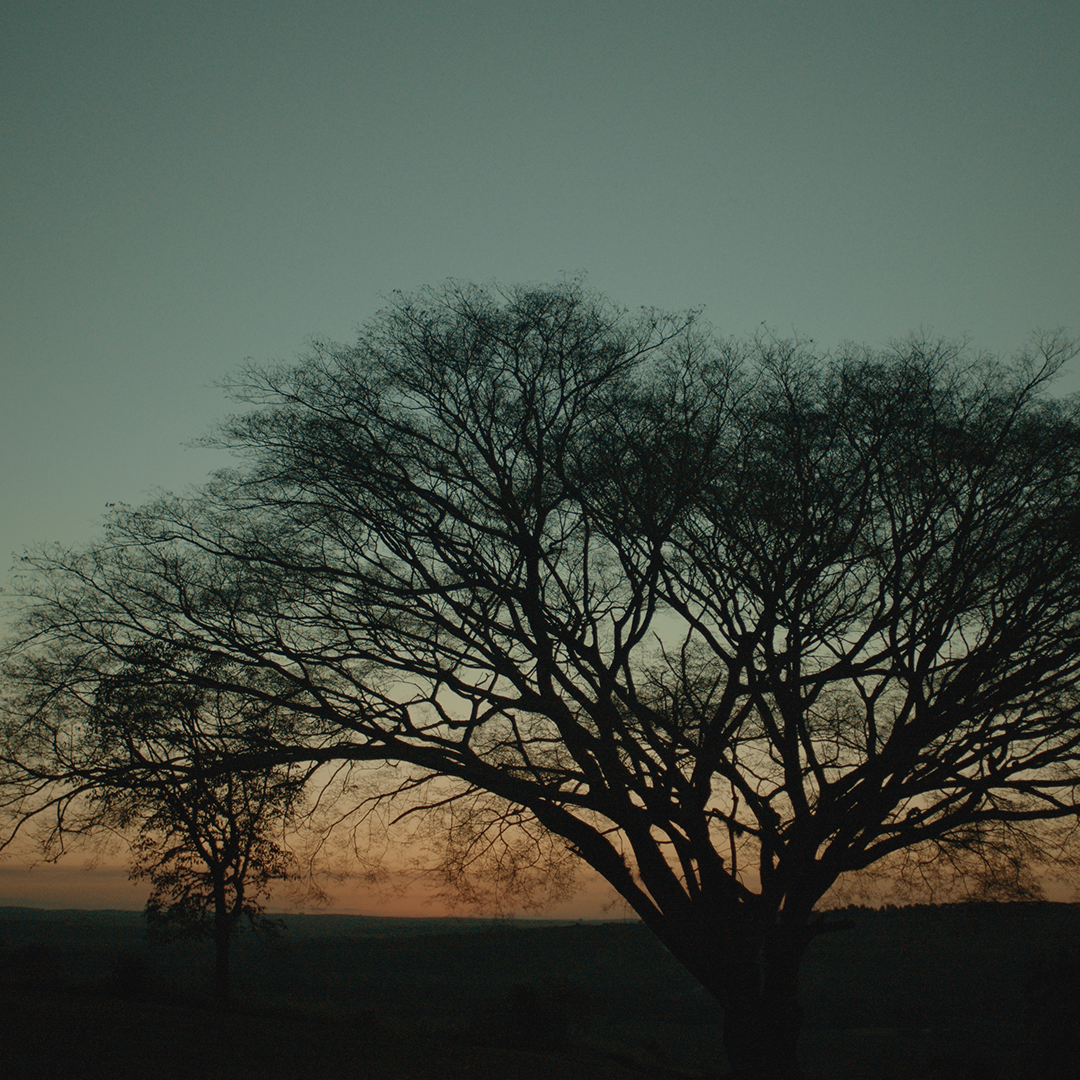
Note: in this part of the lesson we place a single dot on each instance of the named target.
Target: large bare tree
(732, 620)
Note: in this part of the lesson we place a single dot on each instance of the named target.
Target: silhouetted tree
(210, 854)
(733, 620)
(134, 751)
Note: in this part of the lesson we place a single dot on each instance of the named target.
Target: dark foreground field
(958, 992)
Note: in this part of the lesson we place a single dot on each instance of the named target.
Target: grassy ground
(934, 994)
(46, 1036)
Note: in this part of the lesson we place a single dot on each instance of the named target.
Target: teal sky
(187, 184)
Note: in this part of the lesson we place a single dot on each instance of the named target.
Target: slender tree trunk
(223, 935)
(222, 973)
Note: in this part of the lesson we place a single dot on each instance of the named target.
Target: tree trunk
(223, 934)
(754, 974)
(761, 1027)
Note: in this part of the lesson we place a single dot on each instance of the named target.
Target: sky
(186, 185)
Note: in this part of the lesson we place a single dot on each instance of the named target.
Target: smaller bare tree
(209, 852)
(94, 746)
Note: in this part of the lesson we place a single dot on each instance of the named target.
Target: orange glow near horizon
(105, 886)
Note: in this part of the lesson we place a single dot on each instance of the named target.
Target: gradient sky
(188, 184)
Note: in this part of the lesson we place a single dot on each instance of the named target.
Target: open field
(955, 992)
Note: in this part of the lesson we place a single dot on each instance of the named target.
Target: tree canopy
(732, 619)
